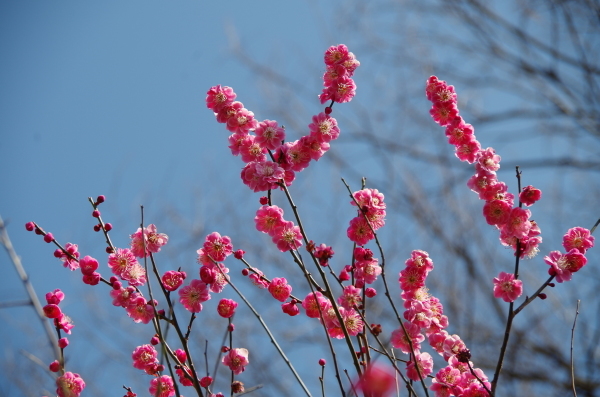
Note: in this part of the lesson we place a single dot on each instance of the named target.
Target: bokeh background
(108, 98)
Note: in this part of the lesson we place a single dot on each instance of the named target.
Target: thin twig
(572, 357)
(33, 299)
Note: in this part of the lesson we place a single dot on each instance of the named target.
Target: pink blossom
(367, 271)
(530, 195)
(258, 279)
(290, 308)
(52, 311)
(192, 295)
(226, 307)
(120, 261)
(350, 297)
(145, 358)
(206, 381)
(314, 147)
(412, 278)
(280, 289)
(92, 278)
(563, 265)
(400, 341)
(55, 297)
(287, 236)
(69, 262)
(135, 275)
(438, 91)
(218, 97)
(352, 321)
(236, 141)
(452, 346)
(424, 362)
(336, 55)
(377, 380)
(444, 112)
(459, 132)
(369, 199)
(312, 302)
(497, 212)
(488, 159)
(324, 127)
(578, 238)
(507, 287)
(340, 90)
(250, 150)
(88, 265)
(64, 322)
(482, 182)
(242, 121)
(122, 296)
(323, 253)
(172, 280)
(217, 247)
(150, 238)
(297, 155)
(69, 385)
(518, 223)
(420, 260)
(468, 150)
(359, 231)
(268, 218)
(236, 359)
(228, 111)
(269, 135)
(445, 382)
(139, 310)
(436, 340)
(162, 386)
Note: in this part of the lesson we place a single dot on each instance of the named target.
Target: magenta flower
(269, 135)
(530, 195)
(150, 238)
(400, 341)
(236, 360)
(217, 247)
(139, 310)
(324, 127)
(55, 297)
(359, 231)
(68, 262)
(218, 97)
(268, 218)
(88, 265)
(280, 289)
(425, 363)
(162, 386)
(145, 357)
(287, 236)
(69, 385)
(226, 307)
(563, 265)
(192, 296)
(507, 287)
(172, 280)
(578, 238)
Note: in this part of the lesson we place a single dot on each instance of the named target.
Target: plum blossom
(236, 359)
(507, 287)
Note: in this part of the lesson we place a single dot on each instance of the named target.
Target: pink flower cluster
(67, 257)
(424, 315)
(52, 310)
(259, 173)
(123, 264)
(148, 241)
(370, 207)
(366, 268)
(341, 64)
(132, 301)
(216, 248)
(145, 357)
(576, 242)
(513, 223)
(286, 235)
(318, 306)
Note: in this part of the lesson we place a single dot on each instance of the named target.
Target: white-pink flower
(236, 359)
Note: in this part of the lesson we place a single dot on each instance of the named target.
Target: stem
(572, 357)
